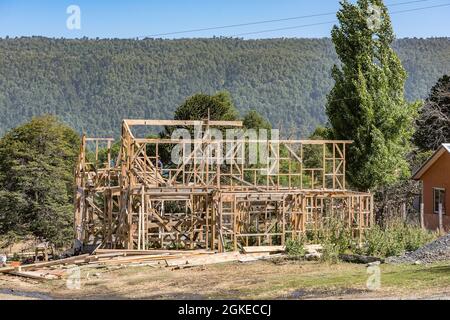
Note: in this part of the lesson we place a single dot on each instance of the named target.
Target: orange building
(435, 177)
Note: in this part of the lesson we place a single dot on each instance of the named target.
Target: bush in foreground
(395, 239)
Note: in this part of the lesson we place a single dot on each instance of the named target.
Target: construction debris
(175, 259)
(107, 258)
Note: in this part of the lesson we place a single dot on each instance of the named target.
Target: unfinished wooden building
(140, 201)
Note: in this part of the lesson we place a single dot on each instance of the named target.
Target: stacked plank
(37, 270)
(101, 258)
(141, 257)
(163, 258)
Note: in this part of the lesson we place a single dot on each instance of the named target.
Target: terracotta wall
(437, 176)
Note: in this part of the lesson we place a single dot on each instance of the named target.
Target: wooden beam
(183, 123)
(263, 249)
(46, 264)
(100, 139)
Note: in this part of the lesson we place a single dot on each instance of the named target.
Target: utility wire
(334, 21)
(285, 28)
(267, 21)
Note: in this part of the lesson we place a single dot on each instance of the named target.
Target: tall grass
(396, 238)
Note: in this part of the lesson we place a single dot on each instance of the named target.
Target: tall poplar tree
(367, 104)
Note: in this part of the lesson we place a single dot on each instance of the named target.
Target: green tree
(321, 133)
(220, 107)
(253, 120)
(367, 103)
(433, 123)
(36, 179)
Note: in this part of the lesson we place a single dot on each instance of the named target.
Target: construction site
(152, 226)
(213, 199)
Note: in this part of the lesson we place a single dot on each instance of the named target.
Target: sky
(156, 18)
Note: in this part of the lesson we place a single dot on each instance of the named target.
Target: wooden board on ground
(204, 260)
(313, 247)
(150, 252)
(132, 259)
(310, 248)
(47, 264)
(36, 275)
(7, 269)
(264, 249)
(257, 256)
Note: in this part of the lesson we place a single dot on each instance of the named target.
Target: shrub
(394, 239)
(296, 247)
(330, 252)
(336, 235)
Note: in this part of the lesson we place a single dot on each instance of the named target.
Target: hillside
(93, 84)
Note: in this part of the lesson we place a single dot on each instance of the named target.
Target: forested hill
(93, 84)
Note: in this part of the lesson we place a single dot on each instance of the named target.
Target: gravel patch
(438, 250)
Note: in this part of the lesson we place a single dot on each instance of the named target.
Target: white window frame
(436, 210)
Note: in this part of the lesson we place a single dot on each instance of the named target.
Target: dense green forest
(93, 84)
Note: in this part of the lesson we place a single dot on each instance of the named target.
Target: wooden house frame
(134, 203)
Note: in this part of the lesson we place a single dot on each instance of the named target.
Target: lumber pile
(104, 258)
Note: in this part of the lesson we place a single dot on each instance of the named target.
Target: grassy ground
(260, 280)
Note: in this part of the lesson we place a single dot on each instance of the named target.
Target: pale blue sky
(138, 18)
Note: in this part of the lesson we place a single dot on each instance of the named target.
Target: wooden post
(139, 227)
(109, 155)
(141, 237)
(283, 221)
(192, 212)
(422, 215)
(207, 236)
(220, 227)
(235, 222)
(213, 223)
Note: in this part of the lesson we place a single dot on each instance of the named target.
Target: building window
(439, 198)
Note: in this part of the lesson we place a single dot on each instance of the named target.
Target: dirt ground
(258, 280)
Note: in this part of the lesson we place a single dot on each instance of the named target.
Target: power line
(265, 21)
(243, 24)
(285, 28)
(334, 21)
(423, 8)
